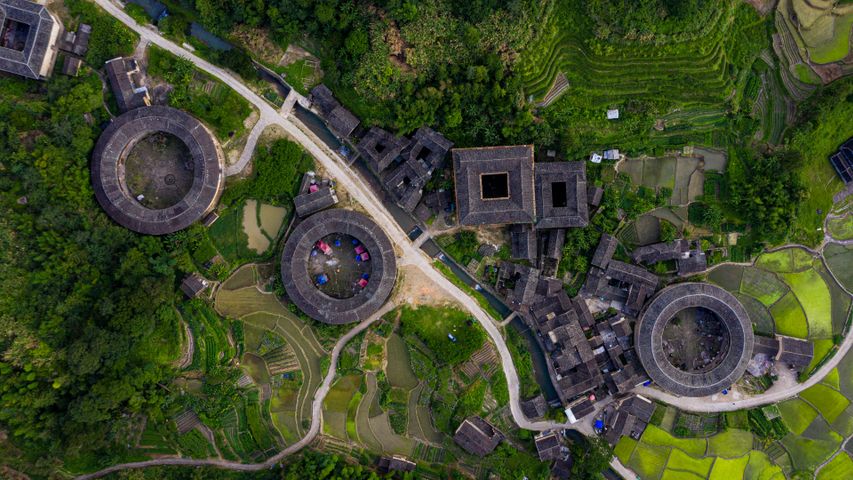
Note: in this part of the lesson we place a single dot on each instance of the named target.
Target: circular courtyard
(694, 339)
(338, 266)
(156, 170)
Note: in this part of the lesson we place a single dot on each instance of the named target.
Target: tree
(591, 458)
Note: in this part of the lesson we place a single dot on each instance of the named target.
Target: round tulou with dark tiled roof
(300, 285)
(649, 339)
(108, 170)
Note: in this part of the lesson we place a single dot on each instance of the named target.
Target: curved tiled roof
(108, 170)
(673, 299)
(299, 285)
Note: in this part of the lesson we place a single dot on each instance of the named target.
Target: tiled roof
(561, 195)
(108, 182)
(477, 436)
(34, 57)
(380, 148)
(299, 285)
(516, 162)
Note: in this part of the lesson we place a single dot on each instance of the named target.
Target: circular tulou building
(694, 339)
(338, 266)
(156, 170)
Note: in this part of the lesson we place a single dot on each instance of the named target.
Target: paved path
(252, 142)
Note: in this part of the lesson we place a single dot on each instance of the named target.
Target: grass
(193, 444)
(434, 325)
(841, 228)
(296, 74)
(789, 317)
(814, 296)
(829, 402)
(731, 443)
(692, 446)
(797, 415)
(839, 467)
(207, 98)
(484, 304)
(727, 469)
(680, 461)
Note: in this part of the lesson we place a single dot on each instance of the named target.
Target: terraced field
(689, 81)
(290, 404)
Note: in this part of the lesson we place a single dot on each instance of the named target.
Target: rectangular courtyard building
(561, 195)
(29, 37)
(494, 185)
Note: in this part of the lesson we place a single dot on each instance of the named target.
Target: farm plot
(813, 294)
(839, 467)
(813, 447)
(841, 228)
(211, 333)
(762, 285)
(726, 469)
(337, 404)
(648, 461)
(399, 369)
(245, 276)
(758, 314)
(785, 261)
(692, 446)
(828, 401)
(732, 443)
(729, 277)
(839, 258)
(789, 317)
(291, 403)
(228, 236)
(797, 415)
(681, 462)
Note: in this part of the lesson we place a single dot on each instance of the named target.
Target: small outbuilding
(194, 285)
(477, 436)
(613, 114)
(395, 463)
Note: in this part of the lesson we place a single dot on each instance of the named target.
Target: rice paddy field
(790, 292)
(817, 423)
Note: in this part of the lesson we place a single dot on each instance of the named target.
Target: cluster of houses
(479, 437)
(403, 165)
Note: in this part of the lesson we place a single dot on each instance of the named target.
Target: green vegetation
(789, 317)
(730, 443)
(462, 246)
(682, 462)
(822, 127)
(797, 415)
(656, 436)
(841, 228)
(813, 295)
(90, 327)
(484, 304)
(520, 351)
(435, 325)
(839, 467)
(109, 38)
(221, 107)
(279, 168)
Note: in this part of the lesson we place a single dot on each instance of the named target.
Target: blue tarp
(322, 279)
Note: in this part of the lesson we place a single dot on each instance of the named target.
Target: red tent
(362, 282)
(324, 247)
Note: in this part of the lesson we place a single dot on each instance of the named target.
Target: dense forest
(88, 327)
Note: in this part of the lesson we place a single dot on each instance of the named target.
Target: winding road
(409, 254)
